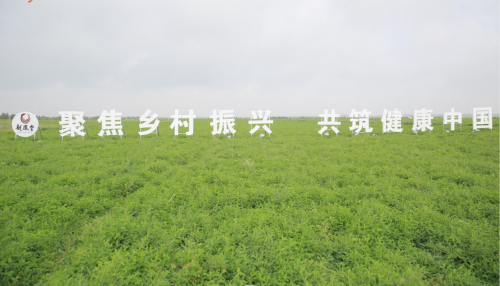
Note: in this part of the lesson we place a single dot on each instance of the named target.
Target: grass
(295, 208)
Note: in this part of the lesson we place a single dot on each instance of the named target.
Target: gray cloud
(292, 57)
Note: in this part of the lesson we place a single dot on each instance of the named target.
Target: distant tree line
(42, 117)
(6, 116)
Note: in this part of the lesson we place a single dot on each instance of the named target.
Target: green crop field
(293, 209)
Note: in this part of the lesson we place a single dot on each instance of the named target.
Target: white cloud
(135, 61)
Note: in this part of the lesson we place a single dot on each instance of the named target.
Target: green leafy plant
(295, 208)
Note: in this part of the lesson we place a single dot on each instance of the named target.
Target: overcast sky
(291, 57)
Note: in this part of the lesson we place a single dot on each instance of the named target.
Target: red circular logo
(25, 120)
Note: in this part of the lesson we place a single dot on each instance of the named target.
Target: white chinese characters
(363, 119)
(452, 118)
(186, 123)
(264, 119)
(146, 121)
(332, 122)
(422, 120)
(482, 117)
(71, 123)
(111, 123)
(223, 122)
(391, 121)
